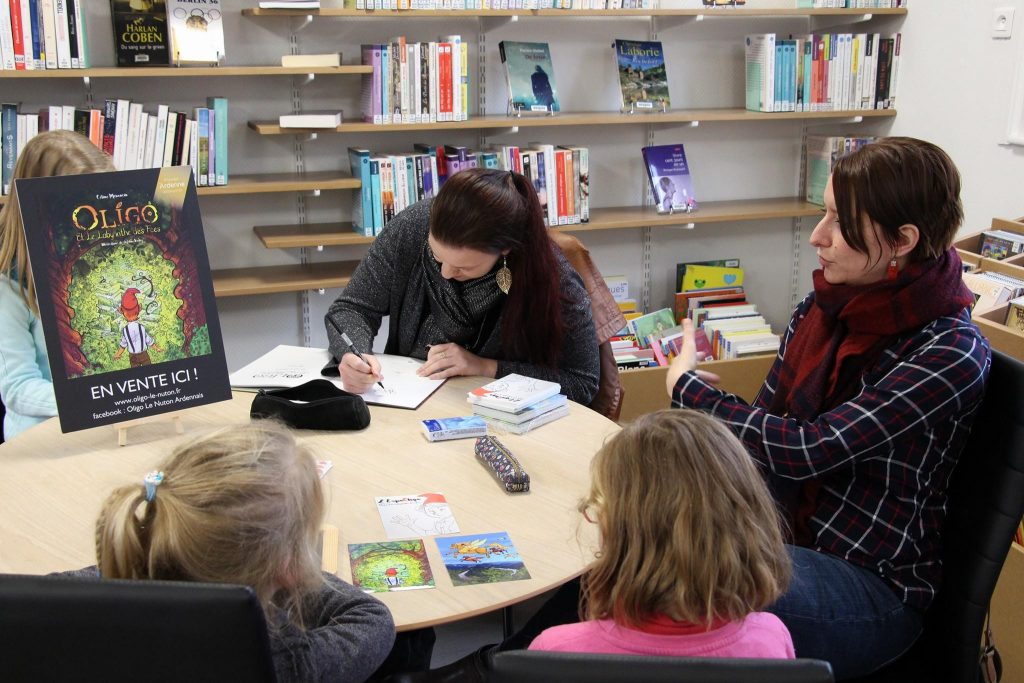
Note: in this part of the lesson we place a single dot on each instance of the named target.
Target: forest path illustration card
(426, 514)
(481, 558)
(390, 566)
(125, 294)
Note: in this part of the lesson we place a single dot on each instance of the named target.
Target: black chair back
(57, 628)
(570, 667)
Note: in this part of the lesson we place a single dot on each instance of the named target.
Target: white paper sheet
(289, 366)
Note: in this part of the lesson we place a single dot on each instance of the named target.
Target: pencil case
(503, 464)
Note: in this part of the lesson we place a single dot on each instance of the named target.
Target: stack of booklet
(517, 404)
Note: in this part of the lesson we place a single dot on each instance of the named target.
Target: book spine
(362, 207)
(560, 187)
(202, 145)
(38, 60)
(894, 70)
(17, 34)
(385, 83)
(160, 139)
(150, 142)
(444, 77)
(571, 182)
(49, 34)
(193, 148)
(72, 19)
(9, 134)
(433, 87)
(81, 35)
(6, 37)
(584, 170)
(375, 193)
(60, 22)
(169, 138)
(211, 170)
(220, 119)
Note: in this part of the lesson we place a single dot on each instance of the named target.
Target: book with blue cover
(643, 80)
(530, 76)
(670, 179)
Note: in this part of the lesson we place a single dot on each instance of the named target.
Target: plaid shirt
(884, 457)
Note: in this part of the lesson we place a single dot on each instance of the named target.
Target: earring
(891, 271)
(504, 276)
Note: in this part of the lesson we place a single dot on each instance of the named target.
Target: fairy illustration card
(481, 558)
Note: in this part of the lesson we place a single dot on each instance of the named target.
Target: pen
(352, 349)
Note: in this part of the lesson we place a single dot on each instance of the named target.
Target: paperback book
(529, 413)
(125, 294)
(529, 75)
(196, 30)
(481, 558)
(669, 177)
(140, 32)
(643, 81)
(390, 566)
(530, 424)
(425, 514)
(513, 393)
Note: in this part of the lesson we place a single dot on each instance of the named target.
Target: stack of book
(414, 82)
(517, 404)
(40, 35)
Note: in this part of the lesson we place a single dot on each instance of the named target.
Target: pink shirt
(759, 635)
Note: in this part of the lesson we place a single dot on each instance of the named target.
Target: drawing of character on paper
(427, 514)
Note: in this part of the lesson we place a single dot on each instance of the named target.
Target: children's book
(650, 323)
(125, 295)
(534, 411)
(529, 75)
(669, 176)
(197, 31)
(501, 426)
(481, 558)
(424, 514)
(390, 566)
(721, 263)
(513, 393)
(643, 81)
(711, 277)
(140, 32)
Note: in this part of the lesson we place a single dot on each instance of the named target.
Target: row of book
(416, 82)
(392, 182)
(822, 72)
(43, 34)
(992, 290)
(822, 152)
(503, 4)
(856, 4)
(133, 138)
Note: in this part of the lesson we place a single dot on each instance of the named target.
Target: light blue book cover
(378, 208)
(220, 117)
(362, 207)
(530, 75)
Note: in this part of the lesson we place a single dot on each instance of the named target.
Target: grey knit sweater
(379, 287)
(349, 635)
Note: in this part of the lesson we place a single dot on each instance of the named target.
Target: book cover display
(125, 294)
(670, 179)
(390, 566)
(530, 76)
(643, 81)
(481, 558)
(140, 32)
(197, 31)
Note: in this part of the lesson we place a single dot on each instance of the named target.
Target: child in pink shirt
(691, 547)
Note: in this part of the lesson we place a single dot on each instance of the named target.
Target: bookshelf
(188, 72)
(706, 13)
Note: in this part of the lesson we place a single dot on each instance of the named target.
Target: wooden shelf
(619, 217)
(188, 71)
(707, 13)
(276, 279)
(578, 119)
(284, 182)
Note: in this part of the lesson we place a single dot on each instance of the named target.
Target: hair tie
(151, 481)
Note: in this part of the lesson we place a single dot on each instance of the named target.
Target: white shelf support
(300, 23)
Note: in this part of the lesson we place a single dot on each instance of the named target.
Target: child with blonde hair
(244, 505)
(690, 547)
(25, 383)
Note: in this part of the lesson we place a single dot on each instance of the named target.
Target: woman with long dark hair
(473, 285)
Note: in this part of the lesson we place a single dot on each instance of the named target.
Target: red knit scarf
(841, 337)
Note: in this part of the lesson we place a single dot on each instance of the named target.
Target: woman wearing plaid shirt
(864, 413)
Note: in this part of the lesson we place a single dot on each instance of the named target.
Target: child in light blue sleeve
(26, 387)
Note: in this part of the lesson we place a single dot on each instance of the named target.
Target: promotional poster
(125, 294)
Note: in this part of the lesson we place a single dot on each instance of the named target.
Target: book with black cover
(140, 32)
(125, 294)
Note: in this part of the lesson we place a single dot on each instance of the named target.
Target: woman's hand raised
(687, 361)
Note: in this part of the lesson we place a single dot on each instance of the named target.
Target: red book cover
(17, 34)
(560, 184)
(570, 188)
(444, 81)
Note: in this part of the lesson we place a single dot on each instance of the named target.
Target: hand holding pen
(361, 371)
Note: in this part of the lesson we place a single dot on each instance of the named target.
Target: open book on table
(289, 366)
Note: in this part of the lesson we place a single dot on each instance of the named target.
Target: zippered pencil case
(502, 463)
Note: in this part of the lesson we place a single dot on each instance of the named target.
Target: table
(52, 486)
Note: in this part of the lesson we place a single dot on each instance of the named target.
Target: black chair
(569, 667)
(986, 502)
(57, 628)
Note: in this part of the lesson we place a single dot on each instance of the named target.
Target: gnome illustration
(134, 337)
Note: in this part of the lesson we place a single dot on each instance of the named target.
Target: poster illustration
(125, 294)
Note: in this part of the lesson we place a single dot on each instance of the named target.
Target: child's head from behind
(241, 505)
(688, 528)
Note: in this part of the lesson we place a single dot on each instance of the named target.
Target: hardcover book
(529, 75)
(670, 179)
(125, 294)
(643, 81)
(196, 30)
(140, 32)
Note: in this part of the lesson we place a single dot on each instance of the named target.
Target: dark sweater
(349, 635)
(379, 287)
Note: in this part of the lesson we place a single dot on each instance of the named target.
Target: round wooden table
(52, 485)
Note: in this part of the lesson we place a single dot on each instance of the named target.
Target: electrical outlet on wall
(1002, 22)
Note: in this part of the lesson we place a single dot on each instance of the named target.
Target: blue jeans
(844, 614)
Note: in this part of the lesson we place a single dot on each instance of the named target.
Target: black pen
(352, 349)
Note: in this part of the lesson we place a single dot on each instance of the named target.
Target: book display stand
(515, 110)
(653, 109)
(123, 427)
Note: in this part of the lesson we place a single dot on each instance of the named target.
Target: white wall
(954, 90)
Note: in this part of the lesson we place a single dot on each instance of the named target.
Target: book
(643, 80)
(413, 515)
(711, 277)
(1015, 315)
(387, 566)
(524, 415)
(529, 76)
(140, 32)
(447, 428)
(645, 325)
(311, 119)
(669, 177)
(328, 59)
(196, 31)
(125, 294)
(500, 425)
(481, 558)
(723, 263)
(513, 393)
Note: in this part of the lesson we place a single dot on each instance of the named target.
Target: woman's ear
(908, 238)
